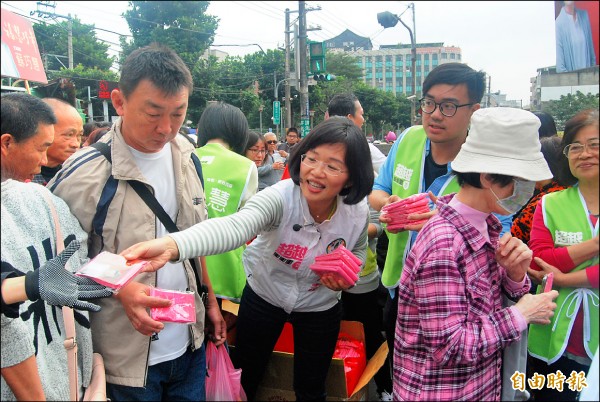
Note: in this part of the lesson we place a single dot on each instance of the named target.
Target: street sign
(276, 112)
(305, 126)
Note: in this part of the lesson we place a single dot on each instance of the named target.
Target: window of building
(388, 86)
(444, 56)
(378, 74)
(458, 56)
(452, 56)
(408, 88)
(399, 74)
(426, 60)
(388, 74)
(399, 62)
(418, 74)
(369, 75)
(399, 89)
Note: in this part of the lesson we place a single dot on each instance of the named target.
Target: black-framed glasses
(447, 108)
(271, 142)
(327, 167)
(257, 151)
(576, 149)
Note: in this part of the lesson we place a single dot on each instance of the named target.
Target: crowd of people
(236, 214)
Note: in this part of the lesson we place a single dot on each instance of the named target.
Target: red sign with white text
(20, 53)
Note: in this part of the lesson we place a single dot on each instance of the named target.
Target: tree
(183, 26)
(569, 105)
(87, 50)
(342, 64)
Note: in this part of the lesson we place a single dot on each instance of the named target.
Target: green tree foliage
(87, 50)
(183, 26)
(569, 105)
(342, 64)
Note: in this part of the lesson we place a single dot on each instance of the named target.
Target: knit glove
(59, 287)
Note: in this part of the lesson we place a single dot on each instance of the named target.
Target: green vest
(225, 178)
(407, 180)
(549, 342)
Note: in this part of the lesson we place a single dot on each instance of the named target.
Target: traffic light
(316, 51)
(324, 77)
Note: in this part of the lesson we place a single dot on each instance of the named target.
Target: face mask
(522, 192)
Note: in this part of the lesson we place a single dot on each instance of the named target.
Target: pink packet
(182, 310)
(400, 205)
(111, 270)
(329, 269)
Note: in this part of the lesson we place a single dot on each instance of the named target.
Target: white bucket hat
(504, 141)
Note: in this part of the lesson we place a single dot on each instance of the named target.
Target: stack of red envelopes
(398, 211)
(340, 262)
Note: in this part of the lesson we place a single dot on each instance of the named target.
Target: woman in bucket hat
(452, 326)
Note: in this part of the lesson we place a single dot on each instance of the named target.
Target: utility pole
(46, 14)
(304, 107)
(288, 104)
(489, 91)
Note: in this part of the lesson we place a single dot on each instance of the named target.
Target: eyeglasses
(271, 142)
(327, 167)
(575, 149)
(448, 109)
(257, 151)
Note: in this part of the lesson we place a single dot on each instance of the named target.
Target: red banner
(20, 53)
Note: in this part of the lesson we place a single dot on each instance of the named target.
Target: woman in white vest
(321, 207)
(564, 234)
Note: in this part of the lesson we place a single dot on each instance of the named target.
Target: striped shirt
(277, 263)
(451, 325)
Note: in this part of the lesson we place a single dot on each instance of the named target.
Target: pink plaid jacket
(451, 325)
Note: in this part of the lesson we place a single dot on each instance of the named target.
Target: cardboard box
(277, 383)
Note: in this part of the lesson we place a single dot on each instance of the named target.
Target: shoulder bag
(96, 391)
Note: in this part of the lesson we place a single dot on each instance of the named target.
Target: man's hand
(215, 327)
(59, 287)
(514, 256)
(135, 298)
(157, 252)
(384, 218)
(278, 165)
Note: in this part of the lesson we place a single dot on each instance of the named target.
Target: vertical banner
(20, 53)
(576, 27)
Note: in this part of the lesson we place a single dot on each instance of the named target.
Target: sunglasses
(272, 142)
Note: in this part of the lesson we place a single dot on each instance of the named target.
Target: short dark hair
(291, 129)
(23, 113)
(474, 179)
(342, 105)
(93, 125)
(585, 118)
(552, 154)
(548, 127)
(97, 134)
(339, 130)
(455, 74)
(226, 122)
(158, 64)
(253, 138)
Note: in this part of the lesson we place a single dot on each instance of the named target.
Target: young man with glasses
(291, 138)
(419, 162)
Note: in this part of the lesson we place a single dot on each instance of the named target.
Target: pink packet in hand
(183, 309)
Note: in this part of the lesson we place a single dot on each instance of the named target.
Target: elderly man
(68, 131)
(272, 169)
(27, 132)
(145, 359)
